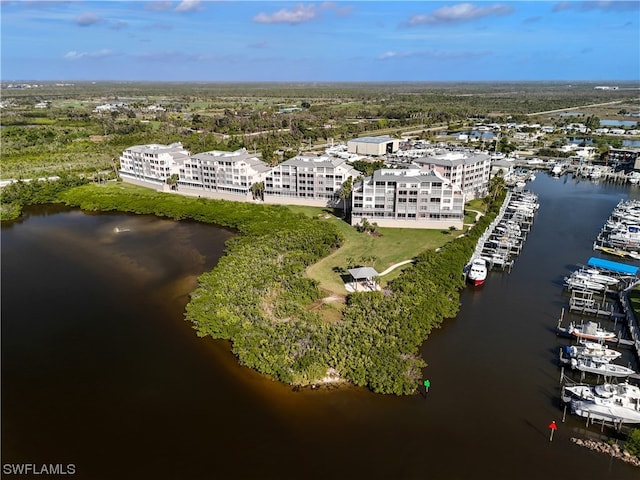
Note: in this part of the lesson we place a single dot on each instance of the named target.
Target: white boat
(615, 402)
(600, 368)
(588, 277)
(590, 331)
(592, 351)
(622, 393)
(573, 282)
(606, 410)
(596, 275)
(477, 273)
(633, 177)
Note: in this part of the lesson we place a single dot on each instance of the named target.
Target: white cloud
(617, 5)
(433, 54)
(189, 6)
(168, 5)
(299, 14)
(74, 55)
(86, 19)
(461, 12)
(386, 55)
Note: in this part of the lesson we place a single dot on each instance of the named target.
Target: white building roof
(381, 139)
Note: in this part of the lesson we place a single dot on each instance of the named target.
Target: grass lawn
(634, 301)
(392, 246)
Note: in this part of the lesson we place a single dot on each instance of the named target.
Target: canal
(100, 370)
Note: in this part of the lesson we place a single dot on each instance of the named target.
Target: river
(100, 370)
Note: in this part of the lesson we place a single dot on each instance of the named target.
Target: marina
(607, 281)
(620, 234)
(504, 238)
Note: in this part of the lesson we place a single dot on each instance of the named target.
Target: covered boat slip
(621, 268)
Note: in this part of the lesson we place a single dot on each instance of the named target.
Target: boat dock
(504, 237)
(584, 301)
(618, 341)
(601, 172)
(600, 289)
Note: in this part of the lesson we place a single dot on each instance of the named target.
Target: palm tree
(257, 189)
(173, 181)
(497, 183)
(345, 193)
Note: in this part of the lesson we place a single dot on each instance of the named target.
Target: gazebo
(363, 279)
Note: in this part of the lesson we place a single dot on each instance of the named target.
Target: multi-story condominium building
(215, 174)
(373, 146)
(151, 165)
(408, 198)
(224, 172)
(470, 171)
(308, 180)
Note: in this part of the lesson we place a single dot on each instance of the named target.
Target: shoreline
(612, 450)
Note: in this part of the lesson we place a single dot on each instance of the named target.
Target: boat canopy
(613, 266)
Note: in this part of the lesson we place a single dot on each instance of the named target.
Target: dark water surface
(99, 369)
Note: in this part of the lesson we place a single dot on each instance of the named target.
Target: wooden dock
(589, 302)
(595, 310)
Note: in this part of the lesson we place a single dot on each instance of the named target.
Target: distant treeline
(70, 136)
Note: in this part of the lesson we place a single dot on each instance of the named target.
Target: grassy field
(392, 246)
(634, 301)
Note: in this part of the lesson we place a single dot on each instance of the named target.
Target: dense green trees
(632, 445)
(259, 298)
(18, 194)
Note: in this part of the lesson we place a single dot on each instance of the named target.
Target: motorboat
(596, 275)
(600, 368)
(477, 273)
(624, 392)
(587, 278)
(591, 331)
(606, 410)
(573, 282)
(615, 402)
(597, 352)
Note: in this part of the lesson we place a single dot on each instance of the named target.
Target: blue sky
(190, 40)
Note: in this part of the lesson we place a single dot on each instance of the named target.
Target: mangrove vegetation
(259, 298)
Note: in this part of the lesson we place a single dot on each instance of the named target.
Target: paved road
(4, 183)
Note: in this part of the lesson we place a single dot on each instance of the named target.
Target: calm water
(99, 369)
(618, 123)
